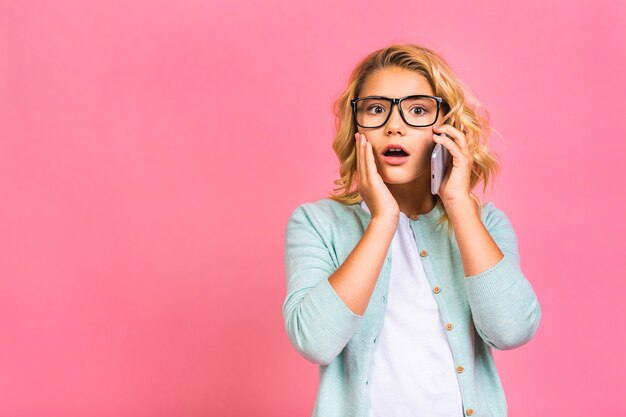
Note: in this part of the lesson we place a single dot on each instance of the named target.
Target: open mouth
(396, 153)
(395, 156)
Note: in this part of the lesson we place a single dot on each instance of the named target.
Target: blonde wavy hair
(460, 107)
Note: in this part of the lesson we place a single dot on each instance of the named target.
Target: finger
(356, 148)
(356, 159)
(365, 170)
(455, 134)
(362, 170)
(371, 163)
(469, 137)
(451, 146)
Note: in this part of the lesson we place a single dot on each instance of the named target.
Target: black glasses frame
(396, 101)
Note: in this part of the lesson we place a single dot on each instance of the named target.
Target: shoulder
(327, 216)
(324, 210)
(495, 219)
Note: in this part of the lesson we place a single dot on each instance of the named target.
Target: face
(418, 141)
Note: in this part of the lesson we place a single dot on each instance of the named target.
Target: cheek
(423, 154)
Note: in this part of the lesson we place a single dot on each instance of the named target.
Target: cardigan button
(423, 253)
(436, 290)
(469, 411)
(460, 369)
(449, 326)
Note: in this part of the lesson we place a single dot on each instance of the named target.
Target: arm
(325, 305)
(505, 309)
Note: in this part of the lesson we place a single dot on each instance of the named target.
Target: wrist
(461, 207)
(390, 221)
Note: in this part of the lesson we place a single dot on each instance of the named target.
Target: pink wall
(151, 153)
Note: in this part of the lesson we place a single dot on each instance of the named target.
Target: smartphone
(439, 161)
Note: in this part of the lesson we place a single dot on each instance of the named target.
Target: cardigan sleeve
(505, 309)
(318, 322)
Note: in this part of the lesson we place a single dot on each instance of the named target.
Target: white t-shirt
(413, 372)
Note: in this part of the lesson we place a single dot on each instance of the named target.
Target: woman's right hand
(380, 202)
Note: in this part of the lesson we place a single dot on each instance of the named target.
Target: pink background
(151, 152)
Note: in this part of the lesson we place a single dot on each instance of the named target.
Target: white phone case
(439, 161)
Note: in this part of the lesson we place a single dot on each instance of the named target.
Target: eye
(423, 110)
(376, 107)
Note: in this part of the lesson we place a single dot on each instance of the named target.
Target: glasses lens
(418, 111)
(372, 112)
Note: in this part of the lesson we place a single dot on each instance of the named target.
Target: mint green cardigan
(496, 309)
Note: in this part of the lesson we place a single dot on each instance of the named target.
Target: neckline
(430, 216)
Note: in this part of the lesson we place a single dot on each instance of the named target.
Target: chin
(402, 175)
(398, 179)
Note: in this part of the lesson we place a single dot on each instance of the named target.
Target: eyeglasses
(416, 110)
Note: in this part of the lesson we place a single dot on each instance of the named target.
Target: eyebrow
(380, 95)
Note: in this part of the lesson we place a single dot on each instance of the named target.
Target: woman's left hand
(455, 185)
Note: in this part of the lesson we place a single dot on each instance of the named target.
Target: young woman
(401, 313)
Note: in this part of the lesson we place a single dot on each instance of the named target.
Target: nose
(395, 122)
